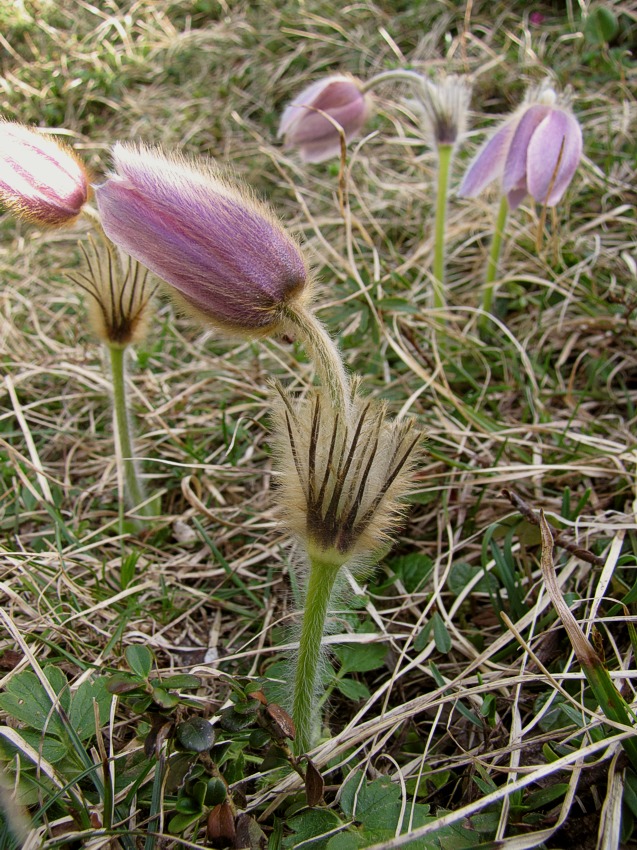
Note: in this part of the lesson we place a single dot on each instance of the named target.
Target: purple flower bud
(40, 179)
(535, 152)
(219, 248)
(312, 121)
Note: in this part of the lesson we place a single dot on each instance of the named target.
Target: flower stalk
(321, 580)
(445, 155)
(133, 489)
(343, 479)
(494, 257)
(323, 350)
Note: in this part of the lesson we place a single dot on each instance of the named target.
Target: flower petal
(544, 154)
(226, 255)
(312, 121)
(488, 163)
(40, 178)
(514, 175)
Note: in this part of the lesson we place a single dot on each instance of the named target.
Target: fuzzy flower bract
(120, 293)
(222, 252)
(40, 179)
(342, 482)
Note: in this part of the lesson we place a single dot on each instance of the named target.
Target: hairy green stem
(445, 155)
(494, 256)
(396, 74)
(320, 585)
(322, 348)
(133, 490)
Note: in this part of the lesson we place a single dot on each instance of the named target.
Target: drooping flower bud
(314, 120)
(222, 252)
(120, 292)
(40, 179)
(535, 152)
(342, 481)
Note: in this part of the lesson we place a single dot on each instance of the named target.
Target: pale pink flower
(220, 249)
(40, 179)
(313, 121)
(535, 152)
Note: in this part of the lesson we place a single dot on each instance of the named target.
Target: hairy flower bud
(313, 121)
(220, 250)
(342, 482)
(40, 179)
(535, 152)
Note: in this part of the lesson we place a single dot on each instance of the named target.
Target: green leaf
(164, 699)
(361, 657)
(413, 570)
(181, 682)
(140, 659)
(179, 823)
(26, 700)
(601, 26)
(442, 638)
(124, 683)
(311, 823)
(188, 806)
(353, 690)
(195, 735)
(461, 574)
(398, 305)
(350, 840)
(82, 713)
(545, 796)
(52, 750)
(375, 804)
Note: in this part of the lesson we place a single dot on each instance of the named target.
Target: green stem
(445, 154)
(397, 74)
(133, 490)
(323, 349)
(304, 707)
(494, 256)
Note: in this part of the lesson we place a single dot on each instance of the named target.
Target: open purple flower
(311, 122)
(219, 248)
(40, 180)
(535, 152)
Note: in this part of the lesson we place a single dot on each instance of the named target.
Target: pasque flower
(220, 249)
(535, 152)
(40, 179)
(342, 476)
(314, 120)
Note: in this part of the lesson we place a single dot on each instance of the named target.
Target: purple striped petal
(39, 178)
(514, 175)
(226, 254)
(557, 129)
(315, 134)
(488, 164)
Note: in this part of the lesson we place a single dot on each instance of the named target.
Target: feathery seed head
(222, 252)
